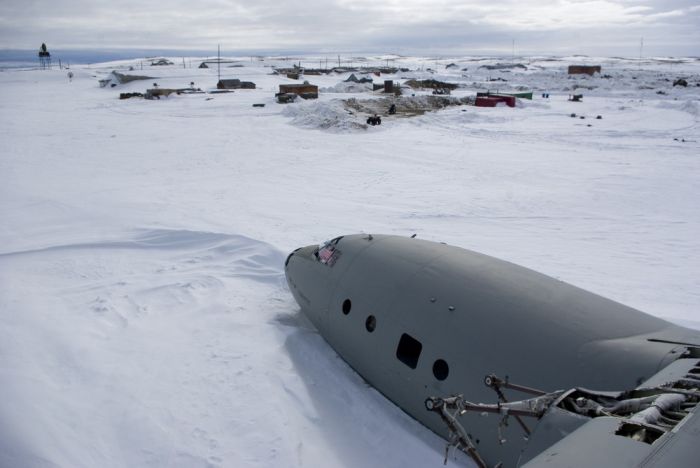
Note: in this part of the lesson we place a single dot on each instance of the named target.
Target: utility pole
(218, 62)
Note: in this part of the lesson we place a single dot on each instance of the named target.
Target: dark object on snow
(545, 95)
(113, 85)
(374, 120)
(235, 84)
(258, 105)
(451, 65)
(353, 79)
(203, 65)
(156, 93)
(441, 91)
(434, 84)
(584, 69)
(680, 82)
(582, 117)
(573, 115)
(388, 86)
(130, 95)
(305, 90)
(392, 109)
(599, 117)
(160, 62)
(286, 98)
(123, 79)
(504, 66)
(576, 97)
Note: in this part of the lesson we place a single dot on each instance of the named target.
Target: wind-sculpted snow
(120, 343)
(171, 348)
(332, 116)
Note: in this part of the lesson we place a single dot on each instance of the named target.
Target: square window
(409, 350)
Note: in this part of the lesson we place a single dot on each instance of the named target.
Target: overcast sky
(594, 27)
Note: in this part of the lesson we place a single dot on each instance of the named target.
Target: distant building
(305, 90)
(584, 69)
(235, 84)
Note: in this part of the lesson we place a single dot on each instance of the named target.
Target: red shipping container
(483, 101)
(493, 99)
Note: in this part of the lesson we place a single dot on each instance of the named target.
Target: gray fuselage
(417, 318)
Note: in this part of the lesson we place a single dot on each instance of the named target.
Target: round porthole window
(371, 323)
(347, 305)
(440, 369)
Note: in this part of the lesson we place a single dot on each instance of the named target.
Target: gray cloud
(611, 27)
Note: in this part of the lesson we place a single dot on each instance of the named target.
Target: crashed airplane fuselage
(436, 327)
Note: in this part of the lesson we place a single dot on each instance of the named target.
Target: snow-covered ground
(144, 316)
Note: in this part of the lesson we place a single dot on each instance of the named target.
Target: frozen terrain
(144, 316)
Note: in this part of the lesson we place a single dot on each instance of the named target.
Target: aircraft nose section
(302, 253)
(308, 282)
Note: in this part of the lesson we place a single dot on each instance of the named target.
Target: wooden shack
(584, 69)
(305, 90)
